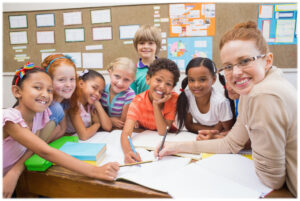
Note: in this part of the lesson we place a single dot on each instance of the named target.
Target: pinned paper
(100, 16)
(102, 33)
(92, 60)
(17, 21)
(45, 20)
(18, 37)
(74, 35)
(72, 18)
(94, 47)
(128, 31)
(45, 37)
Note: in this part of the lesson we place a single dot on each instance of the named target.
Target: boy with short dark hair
(154, 109)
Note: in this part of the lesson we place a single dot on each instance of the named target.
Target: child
(118, 95)
(233, 98)
(267, 110)
(200, 101)
(63, 72)
(33, 90)
(155, 108)
(147, 42)
(90, 115)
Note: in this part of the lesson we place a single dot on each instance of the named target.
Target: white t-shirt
(219, 109)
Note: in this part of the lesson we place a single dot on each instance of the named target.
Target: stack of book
(92, 153)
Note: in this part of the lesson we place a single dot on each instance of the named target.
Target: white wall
(9, 100)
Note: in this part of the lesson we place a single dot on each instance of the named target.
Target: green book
(37, 163)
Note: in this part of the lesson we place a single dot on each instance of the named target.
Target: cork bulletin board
(226, 14)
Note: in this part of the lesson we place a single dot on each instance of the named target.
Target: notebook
(150, 140)
(85, 151)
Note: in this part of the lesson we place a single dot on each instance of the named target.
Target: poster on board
(192, 19)
(182, 50)
(278, 23)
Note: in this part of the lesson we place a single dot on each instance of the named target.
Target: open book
(150, 140)
(218, 176)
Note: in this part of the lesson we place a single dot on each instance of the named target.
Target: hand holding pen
(132, 156)
(156, 153)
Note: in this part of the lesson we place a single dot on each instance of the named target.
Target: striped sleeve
(129, 96)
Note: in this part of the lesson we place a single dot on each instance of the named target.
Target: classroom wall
(226, 16)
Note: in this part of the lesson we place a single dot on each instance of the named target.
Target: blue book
(85, 151)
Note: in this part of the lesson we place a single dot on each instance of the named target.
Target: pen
(163, 141)
(132, 147)
(137, 163)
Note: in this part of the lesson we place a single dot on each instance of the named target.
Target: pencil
(137, 163)
(163, 141)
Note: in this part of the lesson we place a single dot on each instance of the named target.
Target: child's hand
(218, 127)
(136, 125)
(108, 171)
(97, 104)
(164, 99)
(206, 134)
(131, 157)
(10, 181)
(95, 117)
(169, 148)
(116, 122)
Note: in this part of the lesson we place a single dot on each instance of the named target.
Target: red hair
(54, 61)
(246, 31)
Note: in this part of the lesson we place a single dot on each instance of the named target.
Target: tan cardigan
(268, 116)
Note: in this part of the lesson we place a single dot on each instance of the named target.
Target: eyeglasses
(241, 64)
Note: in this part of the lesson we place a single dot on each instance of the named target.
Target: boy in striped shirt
(155, 108)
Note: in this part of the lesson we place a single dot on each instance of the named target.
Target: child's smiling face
(64, 82)
(160, 84)
(120, 79)
(91, 90)
(146, 49)
(200, 81)
(36, 93)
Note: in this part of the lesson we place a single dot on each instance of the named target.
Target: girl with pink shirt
(21, 124)
(89, 116)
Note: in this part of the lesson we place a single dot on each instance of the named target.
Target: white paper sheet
(45, 37)
(74, 35)
(266, 11)
(45, 20)
(18, 37)
(92, 60)
(100, 16)
(266, 29)
(94, 47)
(194, 181)
(285, 30)
(176, 10)
(102, 33)
(151, 174)
(127, 32)
(18, 21)
(72, 18)
(236, 168)
(150, 140)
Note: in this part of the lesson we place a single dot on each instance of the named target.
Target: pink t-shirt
(85, 116)
(13, 150)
